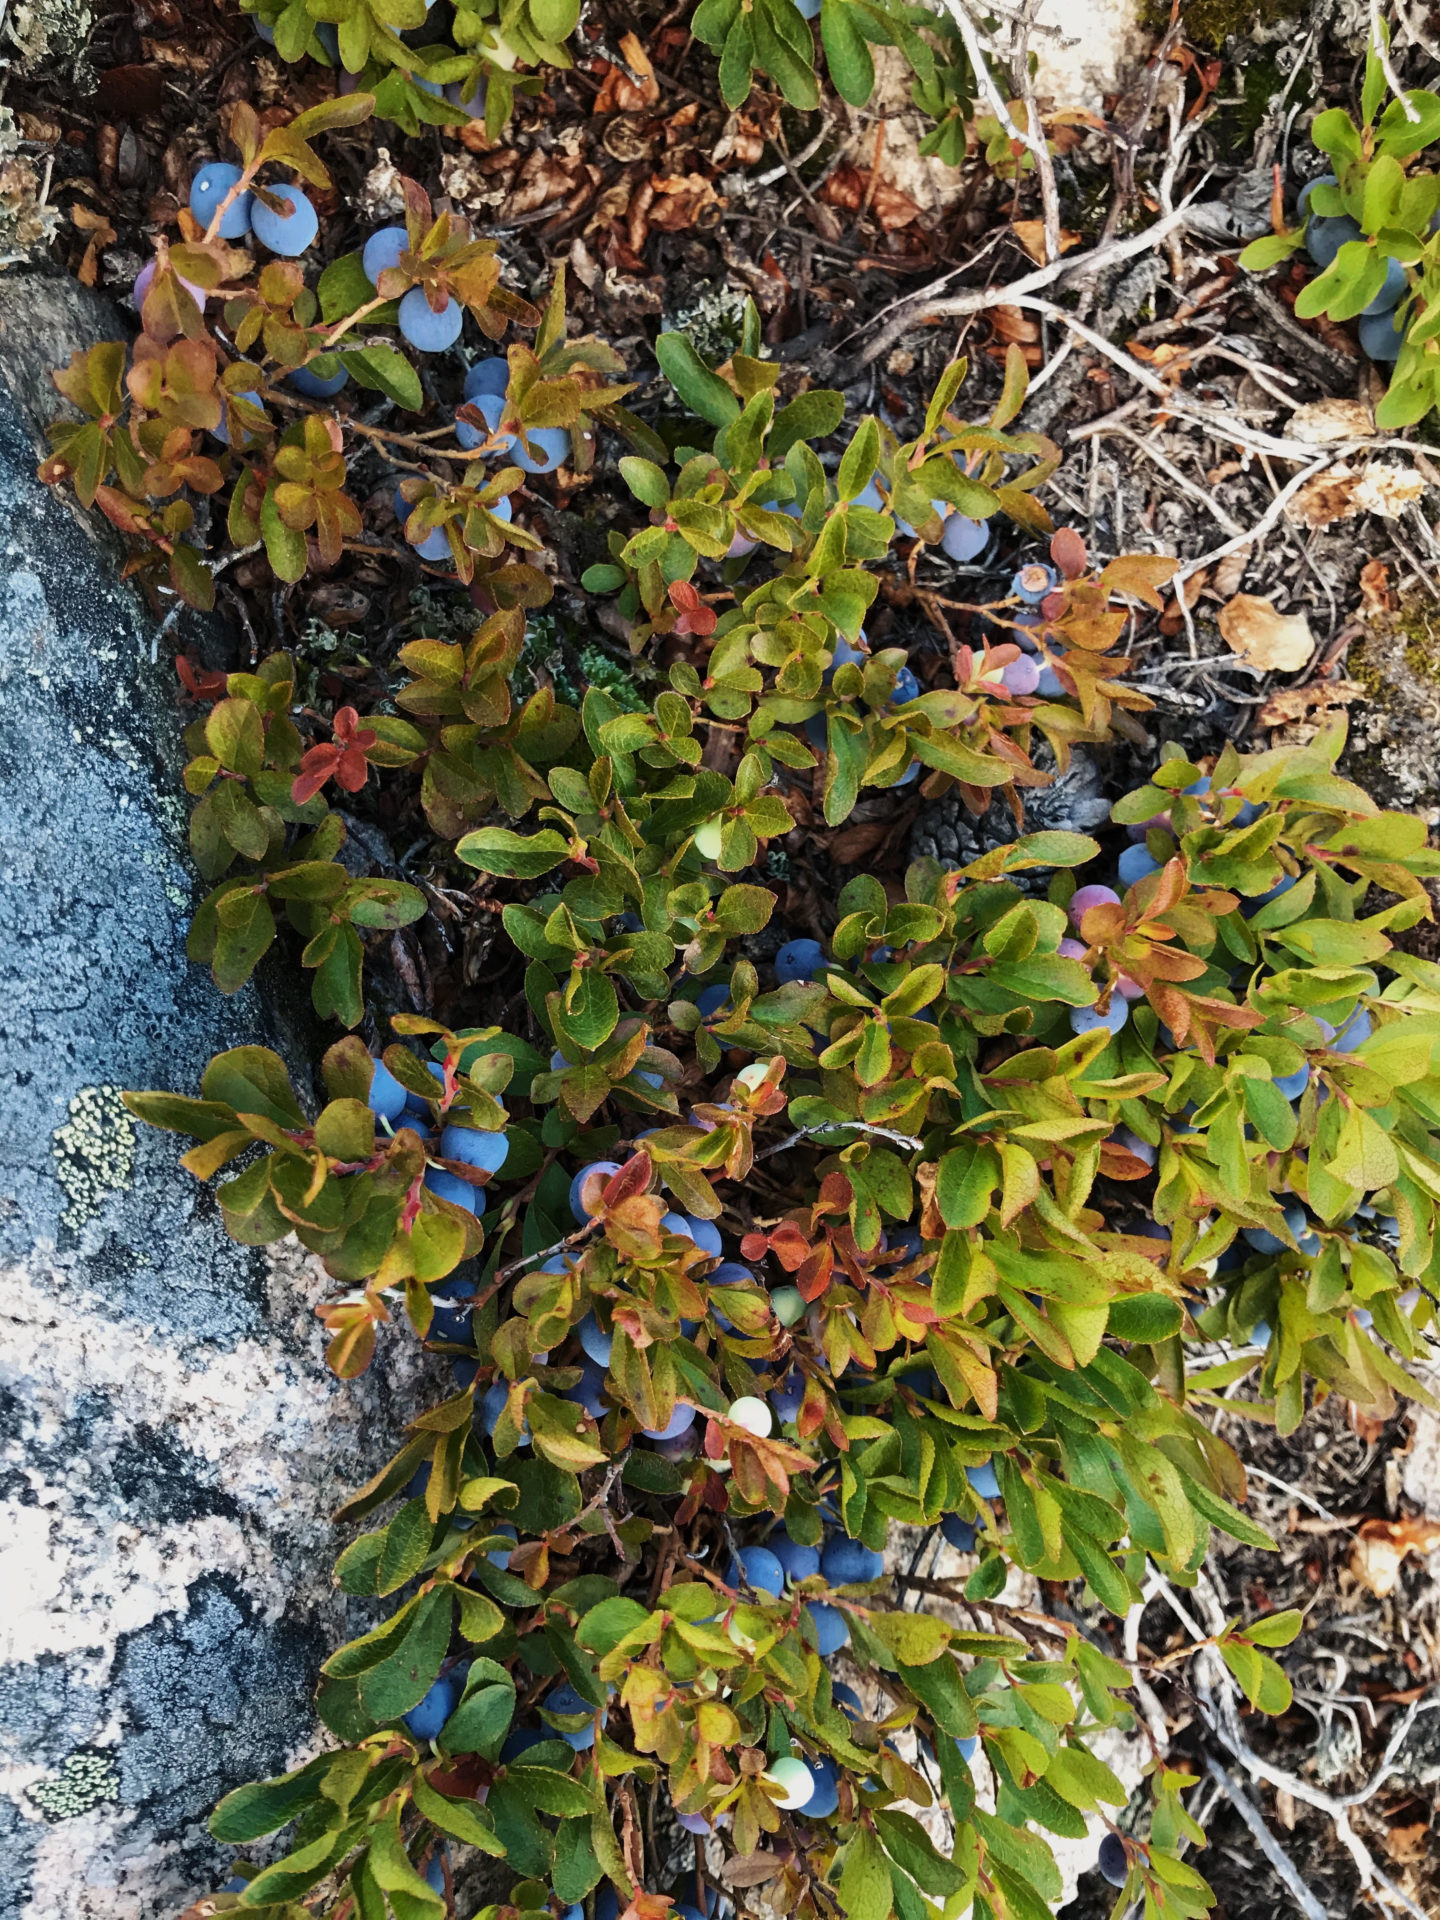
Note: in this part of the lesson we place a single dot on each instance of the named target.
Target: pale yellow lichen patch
(94, 1152)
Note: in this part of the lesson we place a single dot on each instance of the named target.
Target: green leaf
(852, 71)
(702, 391)
(407, 1541)
(914, 1638)
(384, 370)
(1276, 1629)
(1269, 250)
(865, 1891)
(809, 416)
(1145, 1318)
(284, 547)
(645, 480)
(461, 1819)
(235, 734)
(480, 1723)
(263, 1806)
(911, 1848)
(515, 856)
(553, 1792)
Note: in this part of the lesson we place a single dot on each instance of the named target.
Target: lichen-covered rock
(171, 1445)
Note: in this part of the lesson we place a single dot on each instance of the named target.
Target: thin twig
(1031, 136)
(852, 1126)
(1265, 1840)
(1380, 45)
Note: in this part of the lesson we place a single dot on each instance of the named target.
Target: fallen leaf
(1031, 235)
(1381, 1547)
(1229, 573)
(622, 92)
(1340, 493)
(1289, 704)
(679, 202)
(1319, 422)
(102, 235)
(1375, 587)
(849, 188)
(1408, 1843)
(1272, 641)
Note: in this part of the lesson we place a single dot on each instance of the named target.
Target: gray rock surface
(170, 1443)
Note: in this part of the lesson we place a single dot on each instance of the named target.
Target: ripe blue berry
(386, 1098)
(383, 249)
(578, 1186)
(426, 330)
(1090, 1019)
(593, 1338)
(1112, 1863)
(907, 688)
(288, 234)
(1135, 862)
(490, 406)
(315, 385)
(761, 1570)
(209, 188)
(799, 1562)
(475, 1148)
(426, 1719)
(449, 1186)
(680, 1422)
(434, 546)
(963, 538)
(565, 1700)
(1382, 336)
(491, 375)
(550, 446)
(983, 1480)
(825, 1799)
(798, 960)
(832, 1630)
(846, 1563)
(1324, 237)
(959, 1533)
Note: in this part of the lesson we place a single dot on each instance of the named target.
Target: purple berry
(1022, 676)
(1112, 1862)
(963, 538)
(1084, 898)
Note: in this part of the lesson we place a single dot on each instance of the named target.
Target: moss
(1395, 736)
(94, 1152)
(1210, 23)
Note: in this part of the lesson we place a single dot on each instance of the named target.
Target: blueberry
(798, 960)
(710, 999)
(847, 1700)
(597, 1343)
(1033, 582)
(846, 1563)
(1022, 676)
(1051, 686)
(706, 1236)
(222, 430)
(1382, 335)
(1355, 1032)
(209, 188)
(492, 1405)
(606, 1167)
(825, 1799)
(1112, 1862)
(1324, 237)
(435, 1873)
(692, 1823)
(832, 1631)
(968, 1747)
(146, 275)
(983, 1480)
(520, 1740)
(490, 407)
(471, 103)
(588, 1392)
(959, 1533)
(787, 1399)
(386, 1098)
(1282, 885)
(963, 538)
(426, 330)
(564, 1699)
(1292, 1085)
(799, 1562)
(1091, 1020)
(317, 386)
(761, 1569)
(1084, 898)
(487, 376)
(1135, 862)
(1390, 295)
(289, 233)
(551, 445)
(679, 1423)
(869, 496)
(1320, 180)
(383, 249)
(907, 688)
(677, 1223)
(426, 1719)
(449, 1186)
(730, 1273)
(434, 546)
(808, 9)
(499, 1556)
(474, 1147)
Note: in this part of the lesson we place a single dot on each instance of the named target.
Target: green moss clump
(1210, 23)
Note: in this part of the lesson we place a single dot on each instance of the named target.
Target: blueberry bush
(741, 1259)
(1369, 227)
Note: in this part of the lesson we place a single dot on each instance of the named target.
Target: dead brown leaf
(680, 203)
(1319, 422)
(544, 177)
(1341, 493)
(1408, 1843)
(849, 188)
(102, 235)
(619, 92)
(1272, 641)
(1375, 594)
(1289, 704)
(1031, 235)
(1382, 1546)
(1229, 573)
